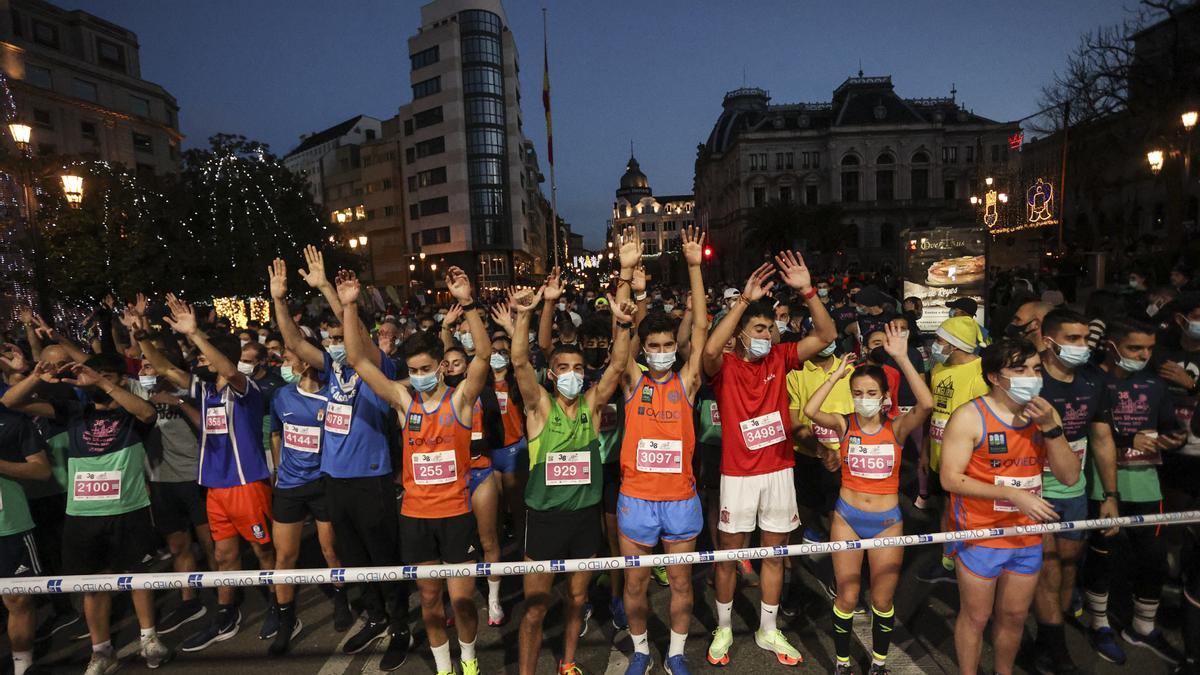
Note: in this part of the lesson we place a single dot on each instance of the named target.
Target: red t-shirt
(893, 379)
(756, 427)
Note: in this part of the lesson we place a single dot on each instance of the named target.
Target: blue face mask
(290, 376)
(337, 353)
(938, 353)
(1023, 389)
(828, 351)
(498, 361)
(1073, 356)
(569, 384)
(1125, 363)
(758, 348)
(1193, 330)
(424, 383)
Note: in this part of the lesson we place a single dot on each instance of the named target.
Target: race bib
(337, 417)
(608, 417)
(1079, 447)
(655, 456)
(502, 399)
(714, 415)
(569, 468)
(97, 486)
(1131, 457)
(936, 429)
(874, 462)
(301, 438)
(825, 435)
(1031, 484)
(476, 435)
(434, 468)
(215, 421)
(763, 431)
(905, 409)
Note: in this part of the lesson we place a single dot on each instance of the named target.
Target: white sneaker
(155, 652)
(102, 663)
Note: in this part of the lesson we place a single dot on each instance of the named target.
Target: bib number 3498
(763, 431)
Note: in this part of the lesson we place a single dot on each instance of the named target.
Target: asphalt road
(923, 639)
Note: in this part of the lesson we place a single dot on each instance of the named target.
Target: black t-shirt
(1185, 401)
(1139, 402)
(1078, 402)
(18, 437)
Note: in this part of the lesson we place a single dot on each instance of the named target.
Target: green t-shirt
(18, 440)
(56, 453)
(564, 463)
(710, 421)
(105, 460)
(612, 429)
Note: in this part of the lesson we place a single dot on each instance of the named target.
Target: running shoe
(676, 665)
(470, 667)
(639, 664)
(372, 631)
(186, 612)
(879, 669)
(69, 621)
(718, 649)
(343, 617)
(102, 663)
(843, 668)
(1104, 641)
(1047, 662)
(777, 643)
(223, 627)
(1156, 642)
(289, 627)
(616, 607)
(569, 669)
(400, 642)
(660, 576)
(154, 652)
(270, 625)
(747, 573)
(496, 616)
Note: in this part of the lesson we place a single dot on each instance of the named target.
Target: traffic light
(708, 253)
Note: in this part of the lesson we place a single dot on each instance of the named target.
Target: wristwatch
(1053, 433)
(1112, 493)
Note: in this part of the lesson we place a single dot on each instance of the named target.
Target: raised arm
(477, 371)
(693, 253)
(622, 312)
(183, 320)
(20, 395)
(82, 376)
(812, 407)
(757, 286)
(316, 277)
(897, 348)
(795, 274)
(387, 389)
(73, 350)
(537, 401)
(293, 338)
(447, 332)
(551, 291)
(31, 334)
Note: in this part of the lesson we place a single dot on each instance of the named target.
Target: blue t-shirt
(356, 422)
(231, 438)
(297, 416)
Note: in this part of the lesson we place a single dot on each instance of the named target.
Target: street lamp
(1189, 119)
(73, 189)
(362, 240)
(353, 242)
(21, 133)
(1155, 157)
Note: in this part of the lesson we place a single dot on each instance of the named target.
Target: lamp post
(991, 202)
(1156, 158)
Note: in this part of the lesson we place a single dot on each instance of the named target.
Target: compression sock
(881, 633)
(1144, 612)
(1097, 609)
(843, 625)
(724, 615)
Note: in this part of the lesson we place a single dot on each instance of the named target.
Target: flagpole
(549, 136)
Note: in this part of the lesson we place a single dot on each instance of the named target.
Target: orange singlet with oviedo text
(437, 455)
(659, 441)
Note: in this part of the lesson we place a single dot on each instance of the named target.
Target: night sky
(651, 71)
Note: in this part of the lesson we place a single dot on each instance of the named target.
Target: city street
(923, 637)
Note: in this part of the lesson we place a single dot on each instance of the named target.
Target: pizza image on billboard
(959, 271)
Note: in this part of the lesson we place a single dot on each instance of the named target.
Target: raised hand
(630, 247)
(183, 316)
(758, 285)
(348, 287)
(277, 276)
(314, 276)
(459, 285)
(452, 315)
(48, 372)
(502, 315)
(638, 283)
(693, 245)
(553, 288)
(525, 299)
(1040, 412)
(26, 315)
(793, 270)
(43, 329)
(893, 343)
(622, 313)
(13, 359)
(82, 376)
(843, 368)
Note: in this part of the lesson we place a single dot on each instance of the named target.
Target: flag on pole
(546, 102)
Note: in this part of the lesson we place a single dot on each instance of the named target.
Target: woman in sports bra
(868, 505)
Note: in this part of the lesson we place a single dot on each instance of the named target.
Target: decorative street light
(362, 240)
(1189, 119)
(21, 133)
(1155, 157)
(991, 201)
(73, 189)
(353, 242)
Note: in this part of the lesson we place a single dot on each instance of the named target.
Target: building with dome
(888, 163)
(660, 218)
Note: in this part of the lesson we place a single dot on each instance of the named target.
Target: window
(414, 213)
(785, 194)
(39, 77)
(804, 162)
(969, 154)
(485, 142)
(88, 130)
(950, 155)
(812, 195)
(45, 34)
(885, 158)
(425, 57)
(142, 143)
(816, 157)
(850, 160)
(110, 54)
(433, 146)
(46, 149)
(485, 111)
(427, 118)
(760, 196)
(410, 155)
(647, 226)
(481, 48)
(389, 211)
(370, 214)
(431, 177)
(779, 161)
(948, 189)
(920, 158)
(43, 119)
(386, 184)
(849, 186)
(762, 160)
(427, 87)
(435, 206)
(789, 160)
(485, 171)
(920, 183)
(487, 202)
(412, 183)
(408, 127)
(84, 90)
(995, 153)
(370, 134)
(438, 235)
(753, 161)
(479, 21)
(139, 106)
(482, 80)
(651, 246)
(885, 185)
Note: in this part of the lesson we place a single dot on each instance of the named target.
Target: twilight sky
(651, 72)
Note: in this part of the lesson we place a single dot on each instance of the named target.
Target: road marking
(617, 660)
(340, 663)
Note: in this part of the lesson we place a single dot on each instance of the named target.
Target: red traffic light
(708, 251)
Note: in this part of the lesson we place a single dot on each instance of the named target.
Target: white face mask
(562, 306)
(667, 307)
(147, 381)
(467, 340)
(245, 368)
(498, 361)
(660, 361)
(569, 384)
(782, 326)
(757, 348)
(867, 407)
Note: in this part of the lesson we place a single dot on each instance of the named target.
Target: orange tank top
(437, 454)
(482, 460)
(659, 441)
(870, 462)
(1005, 455)
(510, 414)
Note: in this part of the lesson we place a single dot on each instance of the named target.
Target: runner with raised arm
(757, 490)
(436, 523)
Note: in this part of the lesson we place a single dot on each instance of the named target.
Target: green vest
(564, 463)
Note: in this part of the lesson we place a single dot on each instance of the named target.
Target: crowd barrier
(169, 580)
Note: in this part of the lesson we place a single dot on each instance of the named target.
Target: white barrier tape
(168, 580)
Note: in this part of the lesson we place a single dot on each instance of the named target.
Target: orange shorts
(241, 510)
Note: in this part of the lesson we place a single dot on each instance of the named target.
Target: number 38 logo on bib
(763, 431)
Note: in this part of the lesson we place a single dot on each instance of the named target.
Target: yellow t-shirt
(802, 384)
(952, 386)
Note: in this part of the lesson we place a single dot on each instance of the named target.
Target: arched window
(921, 157)
(850, 160)
(885, 158)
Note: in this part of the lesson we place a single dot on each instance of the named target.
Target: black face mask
(455, 380)
(594, 357)
(99, 396)
(206, 374)
(877, 355)
(1015, 331)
